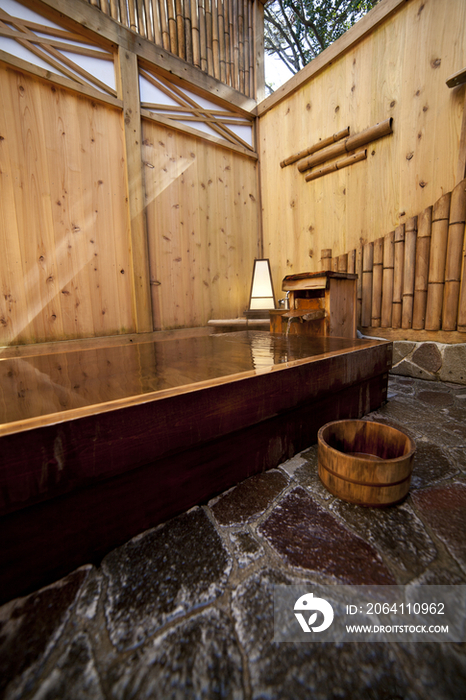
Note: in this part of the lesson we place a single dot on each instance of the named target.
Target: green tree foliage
(296, 31)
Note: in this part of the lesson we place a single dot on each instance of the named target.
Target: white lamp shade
(262, 295)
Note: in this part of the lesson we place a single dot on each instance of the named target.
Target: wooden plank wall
(203, 219)
(65, 266)
(397, 68)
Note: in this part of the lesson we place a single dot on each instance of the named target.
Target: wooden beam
(128, 89)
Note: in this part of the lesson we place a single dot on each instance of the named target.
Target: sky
(276, 73)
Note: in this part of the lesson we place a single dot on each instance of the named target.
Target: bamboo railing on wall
(415, 276)
(216, 36)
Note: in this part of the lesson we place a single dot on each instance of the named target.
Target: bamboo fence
(216, 36)
(415, 276)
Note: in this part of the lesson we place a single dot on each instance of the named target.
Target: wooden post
(377, 269)
(352, 261)
(398, 262)
(438, 254)
(454, 257)
(387, 279)
(408, 272)
(128, 92)
(421, 273)
(367, 262)
(326, 258)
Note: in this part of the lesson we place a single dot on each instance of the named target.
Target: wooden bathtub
(97, 445)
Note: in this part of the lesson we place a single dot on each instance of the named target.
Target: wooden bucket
(365, 462)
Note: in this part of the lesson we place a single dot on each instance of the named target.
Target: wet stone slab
(440, 669)
(431, 465)
(444, 511)
(74, 675)
(295, 671)
(307, 536)
(396, 532)
(249, 499)
(198, 658)
(307, 475)
(162, 574)
(247, 549)
(30, 628)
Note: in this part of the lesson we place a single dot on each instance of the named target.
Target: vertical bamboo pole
(246, 46)
(105, 6)
(124, 18)
(172, 31)
(195, 30)
(342, 263)
(462, 300)
(114, 10)
(387, 279)
(252, 50)
(240, 6)
(157, 23)
(367, 263)
(421, 273)
(228, 69)
(149, 20)
(359, 255)
(188, 31)
(408, 272)
(164, 25)
(141, 28)
(352, 262)
(202, 35)
(454, 257)
(215, 40)
(208, 34)
(326, 259)
(221, 39)
(377, 273)
(398, 261)
(179, 12)
(259, 66)
(132, 15)
(438, 254)
(128, 92)
(235, 41)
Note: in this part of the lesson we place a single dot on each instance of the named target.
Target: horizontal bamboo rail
(338, 165)
(349, 144)
(316, 147)
(415, 276)
(216, 36)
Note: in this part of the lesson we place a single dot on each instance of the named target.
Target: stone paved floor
(185, 610)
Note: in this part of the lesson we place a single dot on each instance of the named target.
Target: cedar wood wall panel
(64, 227)
(398, 70)
(203, 218)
